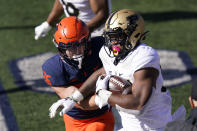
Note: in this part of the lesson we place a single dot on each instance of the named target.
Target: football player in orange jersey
(65, 72)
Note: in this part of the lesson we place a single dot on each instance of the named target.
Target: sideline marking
(177, 69)
(7, 118)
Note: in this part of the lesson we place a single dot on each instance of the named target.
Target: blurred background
(172, 25)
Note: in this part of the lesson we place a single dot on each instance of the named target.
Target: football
(118, 84)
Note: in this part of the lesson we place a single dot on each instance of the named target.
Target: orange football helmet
(71, 32)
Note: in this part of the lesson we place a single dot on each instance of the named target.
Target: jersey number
(71, 9)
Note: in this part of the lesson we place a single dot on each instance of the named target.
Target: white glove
(67, 103)
(102, 83)
(42, 30)
(102, 97)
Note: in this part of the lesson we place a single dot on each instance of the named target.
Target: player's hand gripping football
(42, 30)
(67, 103)
(103, 95)
(102, 82)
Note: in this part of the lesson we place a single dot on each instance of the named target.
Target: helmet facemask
(120, 38)
(73, 48)
(113, 38)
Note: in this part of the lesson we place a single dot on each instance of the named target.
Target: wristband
(77, 96)
(47, 25)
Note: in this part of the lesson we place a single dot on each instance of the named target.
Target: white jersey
(157, 111)
(82, 9)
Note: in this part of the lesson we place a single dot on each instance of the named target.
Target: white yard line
(3, 126)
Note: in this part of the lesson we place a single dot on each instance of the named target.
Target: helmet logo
(132, 19)
(116, 50)
(132, 23)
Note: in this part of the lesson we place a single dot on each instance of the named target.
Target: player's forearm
(96, 21)
(139, 97)
(88, 104)
(55, 13)
(89, 86)
(145, 80)
(64, 92)
(125, 101)
(101, 11)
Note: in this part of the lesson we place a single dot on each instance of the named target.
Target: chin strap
(76, 61)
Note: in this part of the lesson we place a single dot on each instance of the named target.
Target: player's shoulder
(145, 50)
(144, 54)
(51, 62)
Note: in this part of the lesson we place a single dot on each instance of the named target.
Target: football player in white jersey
(93, 12)
(148, 107)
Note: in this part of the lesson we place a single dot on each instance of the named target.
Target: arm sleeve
(53, 75)
(146, 57)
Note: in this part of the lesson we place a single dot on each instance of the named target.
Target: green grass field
(172, 25)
